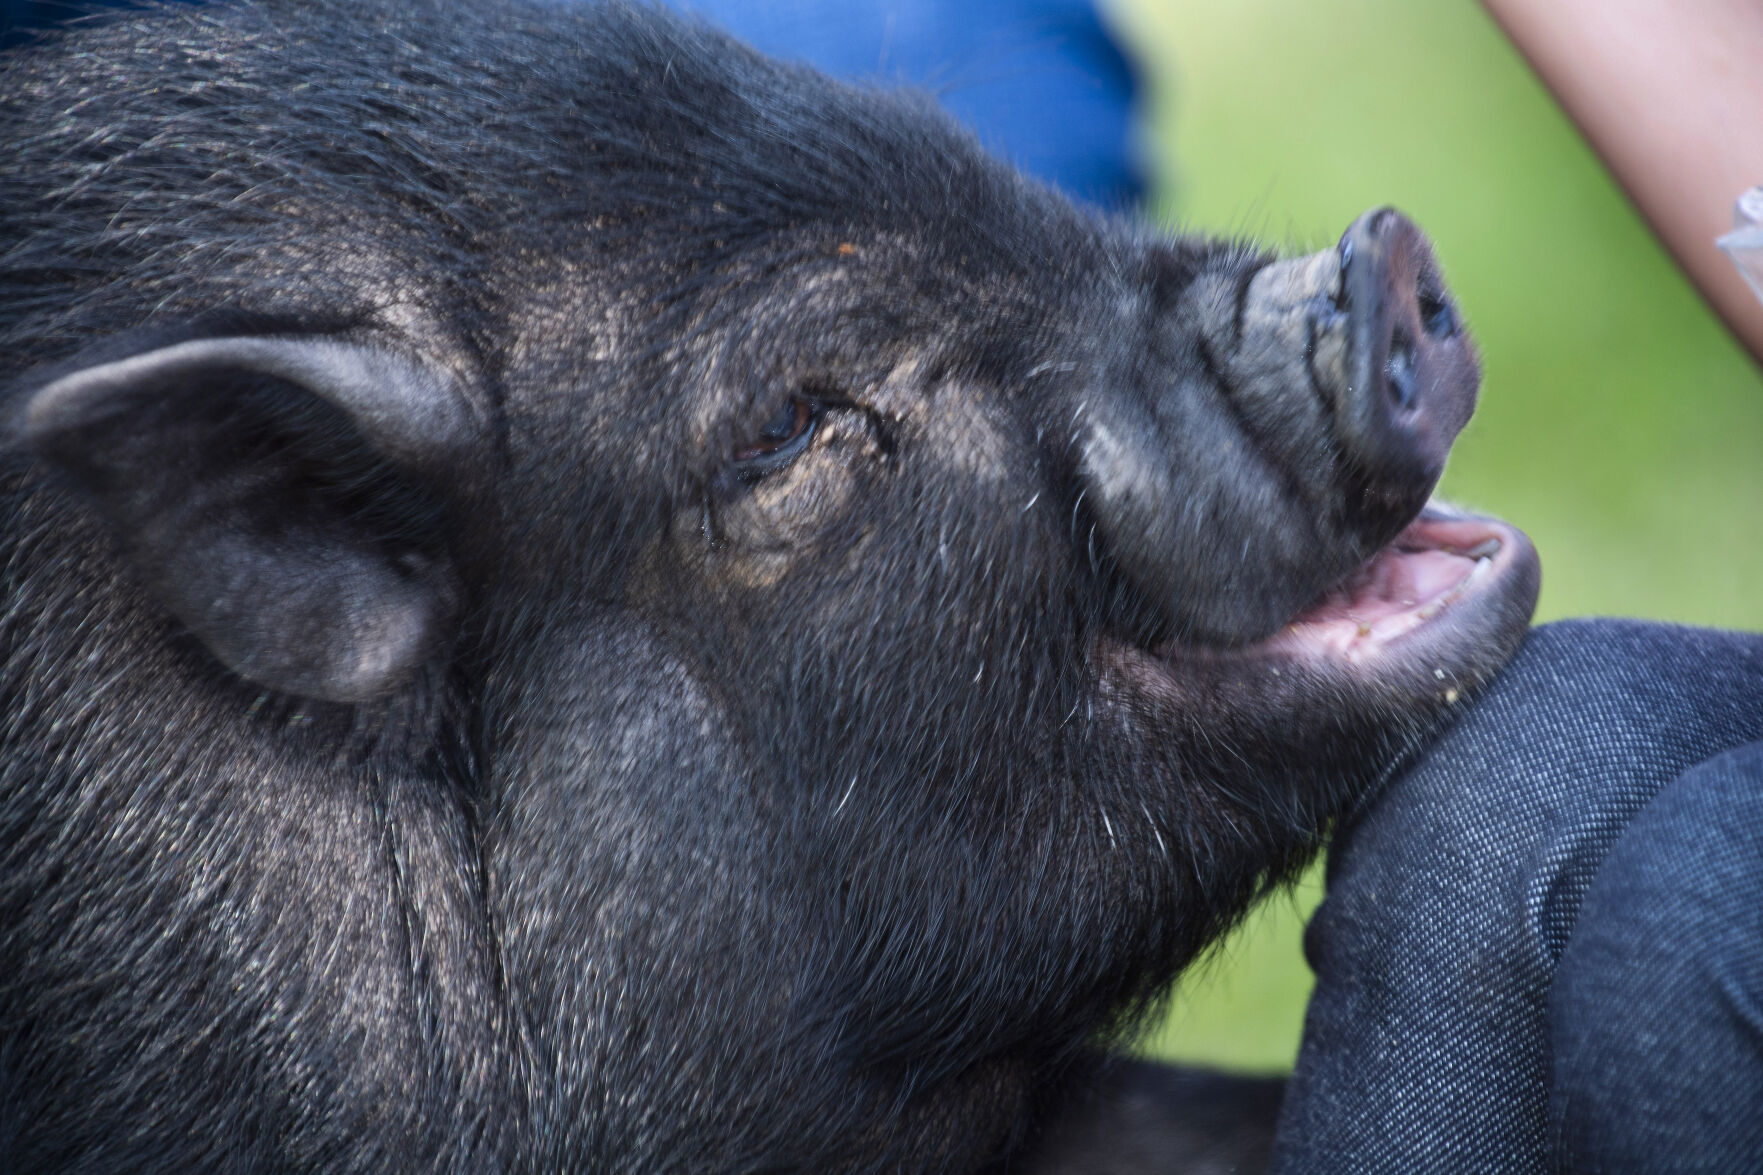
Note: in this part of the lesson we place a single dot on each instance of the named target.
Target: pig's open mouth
(1442, 565)
(1448, 582)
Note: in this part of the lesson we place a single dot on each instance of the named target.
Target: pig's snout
(1338, 382)
(1404, 383)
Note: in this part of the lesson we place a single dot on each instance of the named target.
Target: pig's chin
(1451, 591)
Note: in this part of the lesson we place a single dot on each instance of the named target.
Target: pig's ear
(277, 495)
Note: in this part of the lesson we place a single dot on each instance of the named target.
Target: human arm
(1670, 95)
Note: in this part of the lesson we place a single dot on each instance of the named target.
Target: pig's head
(877, 613)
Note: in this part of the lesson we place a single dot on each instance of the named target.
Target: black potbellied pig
(580, 599)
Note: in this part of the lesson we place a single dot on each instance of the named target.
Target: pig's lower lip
(1443, 574)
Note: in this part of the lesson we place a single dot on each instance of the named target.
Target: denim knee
(1656, 1014)
(1453, 894)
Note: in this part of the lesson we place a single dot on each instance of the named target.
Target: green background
(1619, 424)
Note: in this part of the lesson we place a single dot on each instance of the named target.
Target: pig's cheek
(788, 519)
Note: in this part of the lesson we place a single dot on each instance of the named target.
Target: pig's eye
(781, 441)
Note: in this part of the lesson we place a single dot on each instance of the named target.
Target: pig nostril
(1403, 377)
(1399, 372)
(1437, 316)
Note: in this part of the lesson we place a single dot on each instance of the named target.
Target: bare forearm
(1670, 94)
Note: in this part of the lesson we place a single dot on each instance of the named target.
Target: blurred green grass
(1619, 424)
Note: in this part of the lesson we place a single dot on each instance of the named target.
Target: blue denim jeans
(1041, 82)
(1542, 946)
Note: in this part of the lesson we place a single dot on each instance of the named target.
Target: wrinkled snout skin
(580, 599)
(1316, 411)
